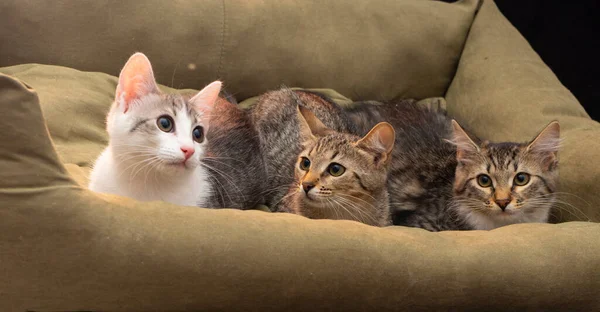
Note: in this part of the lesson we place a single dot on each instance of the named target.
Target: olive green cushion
(371, 48)
(64, 248)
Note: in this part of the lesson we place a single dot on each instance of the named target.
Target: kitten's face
(152, 131)
(332, 169)
(507, 183)
(162, 131)
(341, 176)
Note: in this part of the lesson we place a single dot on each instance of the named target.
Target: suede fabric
(64, 248)
(252, 45)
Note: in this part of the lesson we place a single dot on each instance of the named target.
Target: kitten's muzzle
(187, 151)
(307, 186)
(502, 203)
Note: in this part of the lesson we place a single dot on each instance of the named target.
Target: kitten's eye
(165, 123)
(522, 178)
(198, 134)
(336, 169)
(304, 163)
(484, 180)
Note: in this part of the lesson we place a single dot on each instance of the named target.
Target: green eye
(336, 169)
(484, 180)
(522, 178)
(165, 123)
(304, 163)
(198, 134)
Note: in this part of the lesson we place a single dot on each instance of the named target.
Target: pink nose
(187, 151)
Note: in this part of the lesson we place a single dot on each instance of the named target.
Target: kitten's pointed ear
(310, 125)
(135, 81)
(381, 138)
(547, 143)
(548, 140)
(204, 101)
(465, 147)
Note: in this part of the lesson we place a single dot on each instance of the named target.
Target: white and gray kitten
(160, 146)
(156, 140)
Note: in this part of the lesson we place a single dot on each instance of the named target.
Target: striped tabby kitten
(438, 185)
(276, 121)
(497, 184)
(340, 175)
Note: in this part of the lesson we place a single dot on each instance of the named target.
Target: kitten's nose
(187, 151)
(307, 186)
(502, 203)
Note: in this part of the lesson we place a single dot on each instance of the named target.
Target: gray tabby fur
(236, 170)
(275, 119)
(422, 185)
(423, 163)
(429, 188)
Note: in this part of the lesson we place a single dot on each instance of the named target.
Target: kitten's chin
(311, 198)
(175, 168)
(507, 213)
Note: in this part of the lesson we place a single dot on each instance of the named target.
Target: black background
(566, 34)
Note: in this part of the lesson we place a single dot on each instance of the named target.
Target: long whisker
(213, 178)
(347, 205)
(217, 158)
(132, 165)
(227, 178)
(290, 193)
(222, 163)
(142, 165)
(358, 198)
(330, 206)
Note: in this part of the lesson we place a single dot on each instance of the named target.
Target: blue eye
(198, 134)
(304, 163)
(165, 123)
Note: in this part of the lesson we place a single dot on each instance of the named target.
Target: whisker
(227, 178)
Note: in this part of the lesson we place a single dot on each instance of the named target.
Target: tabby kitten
(168, 147)
(275, 118)
(340, 175)
(440, 179)
(497, 184)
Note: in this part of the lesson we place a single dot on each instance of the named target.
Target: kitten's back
(233, 161)
(423, 162)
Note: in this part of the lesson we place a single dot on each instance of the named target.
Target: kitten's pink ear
(547, 143)
(310, 125)
(465, 147)
(204, 101)
(381, 139)
(135, 81)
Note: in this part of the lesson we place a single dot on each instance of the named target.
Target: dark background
(566, 34)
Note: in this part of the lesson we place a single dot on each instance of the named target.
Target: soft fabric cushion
(65, 248)
(373, 49)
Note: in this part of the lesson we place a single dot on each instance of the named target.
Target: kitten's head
(498, 184)
(156, 131)
(340, 175)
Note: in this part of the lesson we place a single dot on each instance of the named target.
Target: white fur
(150, 168)
(495, 218)
(150, 165)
